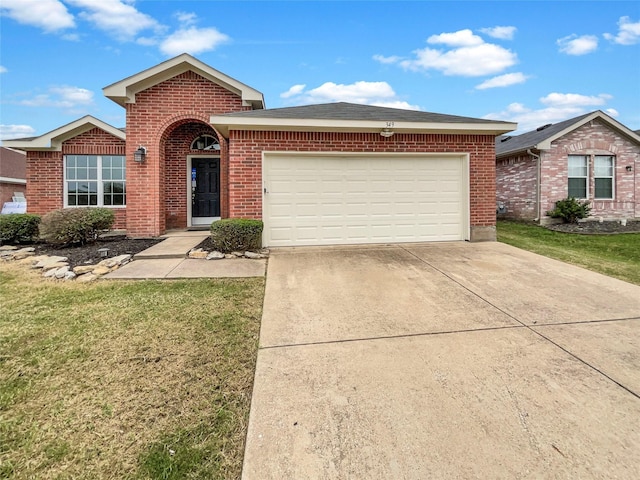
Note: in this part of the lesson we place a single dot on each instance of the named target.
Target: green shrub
(570, 210)
(19, 227)
(75, 226)
(236, 234)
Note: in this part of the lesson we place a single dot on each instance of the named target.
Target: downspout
(538, 175)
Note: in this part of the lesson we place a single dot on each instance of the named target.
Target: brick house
(199, 146)
(591, 157)
(12, 174)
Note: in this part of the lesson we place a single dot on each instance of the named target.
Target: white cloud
(8, 132)
(294, 90)
(3, 69)
(470, 56)
(575, 99)
(575, 45)
(503, 33)
(66, 97)
(49, 15)
(367, 93)
(612, 112)
(117, 17)
(461, 38)
(557, 107)
(387, 60)
(186, 18)
(192, 40)
(503, 81)
(628, 32)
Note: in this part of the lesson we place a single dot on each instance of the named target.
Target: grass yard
(126, 380)
(614, 255)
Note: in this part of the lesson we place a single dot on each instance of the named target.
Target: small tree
(570, 210)
(75, 226)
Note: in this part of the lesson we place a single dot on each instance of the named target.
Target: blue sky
(531, 62)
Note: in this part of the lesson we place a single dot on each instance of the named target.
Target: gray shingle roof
(353, 111)
(517, 143)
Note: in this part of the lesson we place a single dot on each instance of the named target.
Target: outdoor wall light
(140, 154)
(386, 132)
(629, 168)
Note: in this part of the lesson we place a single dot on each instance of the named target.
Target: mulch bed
(88, 254)
(597, 228)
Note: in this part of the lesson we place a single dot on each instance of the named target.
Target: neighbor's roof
(53, 139)
(125, 91)
(353, 117)
(13, 165)
(541, 138)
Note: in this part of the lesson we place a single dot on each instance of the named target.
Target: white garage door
(353, 199)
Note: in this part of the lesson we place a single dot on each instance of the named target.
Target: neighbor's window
(578, 174)
(95, 180)
(603, 176)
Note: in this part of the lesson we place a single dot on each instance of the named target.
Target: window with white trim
(94, 180)
(603, 177)
(578, 175)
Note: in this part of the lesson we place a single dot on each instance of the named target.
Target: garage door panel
(319, 200)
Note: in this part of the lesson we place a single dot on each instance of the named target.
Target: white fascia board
(53, 140)
(224, 124)
(614, 124)
(17, 181)
(125, 91)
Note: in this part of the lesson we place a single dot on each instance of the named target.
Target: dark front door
(205, 187)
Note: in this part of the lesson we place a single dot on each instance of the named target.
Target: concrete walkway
(168, 260)
(450, 360)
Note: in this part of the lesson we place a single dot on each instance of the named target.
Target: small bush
(19, 227)
(75, 226)
(570, 210)
(236, 234)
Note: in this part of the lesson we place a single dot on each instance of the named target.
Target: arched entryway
(192, 156)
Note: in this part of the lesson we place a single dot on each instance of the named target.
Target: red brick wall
(45, 176)
(152, 120)
(245, 162)
(594, 138)
(516, 184)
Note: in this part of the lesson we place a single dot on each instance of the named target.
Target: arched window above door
(205, 142)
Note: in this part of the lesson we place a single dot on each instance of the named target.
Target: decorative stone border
(215, 255)
(58, 267)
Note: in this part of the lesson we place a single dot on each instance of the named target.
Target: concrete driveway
(449, 360)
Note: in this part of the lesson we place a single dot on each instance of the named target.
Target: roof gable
(53, 140)
(353, 117)
(542, 137)
(125, 91)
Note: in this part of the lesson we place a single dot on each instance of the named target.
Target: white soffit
(53, 140)
(224, 124)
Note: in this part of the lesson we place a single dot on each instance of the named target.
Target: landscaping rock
(4, 248)
(215, 256)
(82, 269)
(238, 254)
(115, 261)
(50, 273)
(230, 255)
(198, 253)
(62, 272)
(69, 275)
(89, 277)
(101, 270)
(253, 255)
(44, 263)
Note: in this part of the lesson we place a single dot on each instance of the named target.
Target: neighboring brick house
(591, 157)
(200, 146)
(13, 174)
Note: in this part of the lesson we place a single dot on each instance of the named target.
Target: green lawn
(126, 380)
(614, 255)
